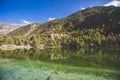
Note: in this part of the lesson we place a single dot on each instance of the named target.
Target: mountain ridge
(93, 27)
(99, 16)
(6, 28)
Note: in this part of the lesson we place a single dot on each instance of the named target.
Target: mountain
(94, 17)
(92, 27)
(25, 30)
(5, 28)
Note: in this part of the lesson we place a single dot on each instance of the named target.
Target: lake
(60, 64)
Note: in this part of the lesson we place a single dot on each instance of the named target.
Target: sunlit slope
(94, 17)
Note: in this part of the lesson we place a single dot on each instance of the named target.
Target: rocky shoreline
(13, 47)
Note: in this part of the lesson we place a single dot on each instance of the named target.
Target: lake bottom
(13, 69)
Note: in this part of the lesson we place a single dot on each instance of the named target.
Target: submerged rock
(49, 77)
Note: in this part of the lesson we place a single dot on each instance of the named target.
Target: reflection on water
(82, 64)
(75, 57)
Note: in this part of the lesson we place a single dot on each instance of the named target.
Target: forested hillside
(92, 27)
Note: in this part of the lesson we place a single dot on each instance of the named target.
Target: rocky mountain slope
(5, 28)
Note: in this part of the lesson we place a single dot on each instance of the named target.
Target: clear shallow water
(60, 64)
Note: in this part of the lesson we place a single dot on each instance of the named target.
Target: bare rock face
(5, 28)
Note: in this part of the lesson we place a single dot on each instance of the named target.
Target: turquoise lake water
(60, 64)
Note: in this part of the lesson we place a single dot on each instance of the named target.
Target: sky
(28, 11)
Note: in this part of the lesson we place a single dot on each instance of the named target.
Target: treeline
(91, 38)
(79, 38)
